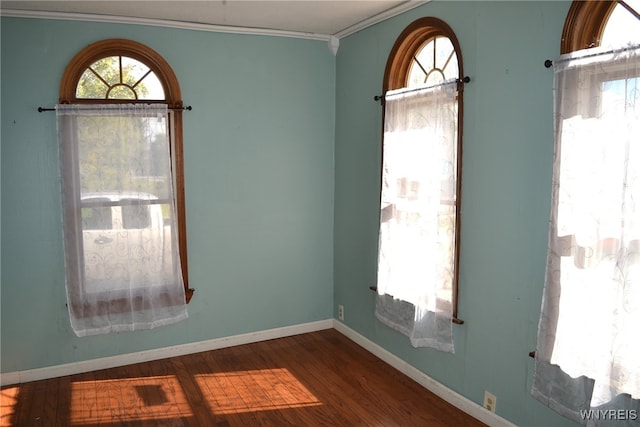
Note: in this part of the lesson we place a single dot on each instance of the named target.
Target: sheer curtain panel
(120, 236)
(418, 209)
(588, 351)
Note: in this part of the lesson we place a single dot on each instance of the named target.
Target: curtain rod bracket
(548, 63)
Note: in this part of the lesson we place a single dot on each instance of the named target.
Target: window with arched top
(427, 52)
(434, 62)
(601, 23)
(421, 183)
(587, 349)
(120, 137)
(119, 77)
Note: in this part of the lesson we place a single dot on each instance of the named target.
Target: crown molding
(87, 17)
(112, 19)
(383, 16)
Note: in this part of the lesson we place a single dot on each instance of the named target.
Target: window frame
(173, 98)
(584, 27)
(585, 24)
(396, 75)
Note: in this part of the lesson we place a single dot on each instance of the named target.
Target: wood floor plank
(271, 385)
(231, 372)
(334, 389)
(51, 404)
(368, 377)
(336, 408)
(22, 404)
(32, 412)
(315, 379)
(186, 375)
(173, 388)
(63, 402)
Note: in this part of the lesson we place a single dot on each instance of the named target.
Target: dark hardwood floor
(316, 379)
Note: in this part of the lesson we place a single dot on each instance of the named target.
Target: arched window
(420, 195)
(601, 23)
(593, 256)
(427, 52)
(119, 71)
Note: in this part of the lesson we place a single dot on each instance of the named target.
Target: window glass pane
(420, 66)
(121, 92)
(444, 50)
(150, 88)
(98, 78)
(435, 77)
(620, 97)
(622, 27)
(108, 69)
(136, 215)
(96, 217)
(138, 76)
(435, 61)
(451, 69)
(142, 162)
(417, 77)
(119, 77)
(91, 87)
(133, 70)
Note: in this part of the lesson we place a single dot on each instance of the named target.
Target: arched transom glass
(623, 25)
(119, 77)
(436, 61)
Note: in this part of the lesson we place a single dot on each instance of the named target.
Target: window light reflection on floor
(163, 398)
(254, 390)
(128, 399)
(8, 400)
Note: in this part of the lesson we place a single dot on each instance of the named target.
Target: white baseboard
(161, 353)
(423, 379)
(420, 377)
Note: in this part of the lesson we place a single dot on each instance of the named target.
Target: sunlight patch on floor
(128, 399)
(8, 401)
(254, 390)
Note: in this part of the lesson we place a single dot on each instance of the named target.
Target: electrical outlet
(489, 402)
(341, 312)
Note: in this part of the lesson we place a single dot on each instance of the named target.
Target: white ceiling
(302, 18)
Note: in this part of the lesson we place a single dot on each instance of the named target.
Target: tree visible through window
(119, 71)
(120, 139)
(119, 77)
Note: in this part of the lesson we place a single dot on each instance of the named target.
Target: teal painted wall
(259, 149)
(282, 155)
(507, 156)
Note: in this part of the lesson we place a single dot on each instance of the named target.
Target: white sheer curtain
(418, 209)
(120, 236)
(588, 351)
